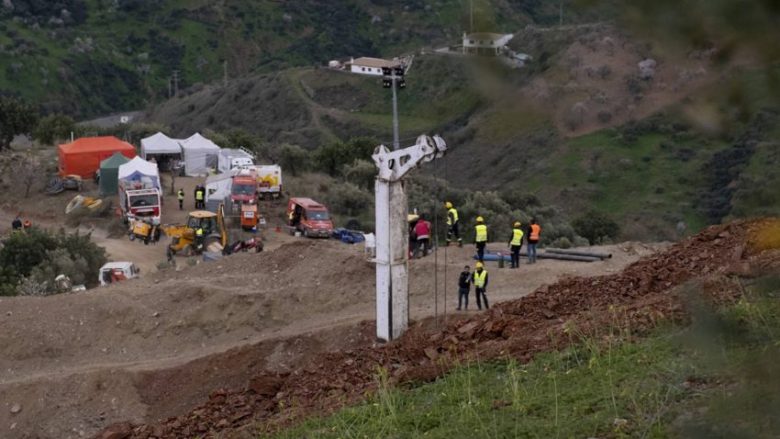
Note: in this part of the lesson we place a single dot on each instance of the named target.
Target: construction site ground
(155, 347)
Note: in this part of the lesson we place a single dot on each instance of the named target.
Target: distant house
(370, 66)
(485, 43)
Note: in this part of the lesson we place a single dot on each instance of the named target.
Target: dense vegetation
(31, 260)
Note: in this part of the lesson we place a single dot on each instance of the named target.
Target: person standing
(515, 242)
(480, 238)
(480, 279)
(16, 224)
(422, 231)
(534, 233)
(199, 198)
(464, 285)
(452, 224)
(180, 197)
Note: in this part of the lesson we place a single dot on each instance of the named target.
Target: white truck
(229, 159)
(140, 193)
(269, 181)
(117, 271)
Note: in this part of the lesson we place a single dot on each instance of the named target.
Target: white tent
(159, 144)
(200, 155)
(139, 174)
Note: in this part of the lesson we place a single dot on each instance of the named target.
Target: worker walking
(480, 278)
(534, 232)
(180, 197)
(464, 285)
(422, 232)
(515, 242)
(481, 238)
(452, 224)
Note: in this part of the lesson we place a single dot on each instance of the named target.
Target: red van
(309, 217)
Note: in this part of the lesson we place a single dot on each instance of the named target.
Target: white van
(117, 271)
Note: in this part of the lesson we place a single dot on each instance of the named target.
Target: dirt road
(78, 362)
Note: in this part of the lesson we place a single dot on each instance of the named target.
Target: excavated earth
(636, 298)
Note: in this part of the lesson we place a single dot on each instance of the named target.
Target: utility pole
(392, 231)
(170, 87)
(560, 13)
(471, 16)
(394, 78)
(176, 83)
(224, 71)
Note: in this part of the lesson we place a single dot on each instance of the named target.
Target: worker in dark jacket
(464, 285)
(534, 233)
(515, 242)
(16, 224)
(480, 279)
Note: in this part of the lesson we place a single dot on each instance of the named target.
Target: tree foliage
(293, 159)
(596, 227)
(333, 157)
(40, 256)
(16, 117)
(54, 128)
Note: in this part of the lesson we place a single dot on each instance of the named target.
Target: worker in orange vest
(534, 232)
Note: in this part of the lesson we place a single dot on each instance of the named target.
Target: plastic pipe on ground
(579, 253)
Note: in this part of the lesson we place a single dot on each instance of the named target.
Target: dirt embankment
(155, 347)
(636, 298)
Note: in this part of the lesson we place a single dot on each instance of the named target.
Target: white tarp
(139, 174)
(234, 158)
(200, 155)
(159, 144)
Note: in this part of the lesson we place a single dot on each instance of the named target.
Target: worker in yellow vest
(534, 233)
(199, 198)
(515, 242)
(481, 238)
(452, 224)
(480, 277)
(199, 238)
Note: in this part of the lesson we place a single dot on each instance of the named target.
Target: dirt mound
(634, 298)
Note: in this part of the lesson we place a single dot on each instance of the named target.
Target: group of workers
(17, 224)
(479, 277)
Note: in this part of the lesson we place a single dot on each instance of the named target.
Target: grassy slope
(710, 380)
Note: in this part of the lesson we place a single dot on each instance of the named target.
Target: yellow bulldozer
(184, 238)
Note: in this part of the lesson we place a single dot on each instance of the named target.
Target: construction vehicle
(243, 189)
(215, 235)
(249, 216)
(117, 271)
(140, 191)
(309, 218)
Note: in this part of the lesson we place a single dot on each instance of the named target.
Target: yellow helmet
(448, 205)
(480, 219)
(517, 224)
(479, 265)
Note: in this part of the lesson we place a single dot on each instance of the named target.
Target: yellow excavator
(183, 236)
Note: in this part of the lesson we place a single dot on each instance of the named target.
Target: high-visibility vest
(517, 237)
(479, 278)
(199, 195)
(452, 216)
(535, 231)
(181, 195)
(481, 233)
(199, 232)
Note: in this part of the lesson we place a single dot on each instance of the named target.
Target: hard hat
(479, 265)
(517, 224)
(480, 219)
(448, 205)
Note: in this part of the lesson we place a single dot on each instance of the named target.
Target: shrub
(293, 159)
(332, 157)
(348, 199)
(53, 128)
(596, 227)
(362, 173)
(35, 257)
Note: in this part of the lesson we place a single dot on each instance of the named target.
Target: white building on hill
(370, 66)
(485, 43)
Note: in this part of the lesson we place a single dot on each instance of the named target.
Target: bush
(348, 199)
(293, 159)
(596, 227)
(332, 157)
(362, 173)
(31, 260)
(54, 128)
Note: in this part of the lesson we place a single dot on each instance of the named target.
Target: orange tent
(83, 156)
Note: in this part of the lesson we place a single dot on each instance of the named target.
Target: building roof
(96, 144)
(375, 62)
(485, 36)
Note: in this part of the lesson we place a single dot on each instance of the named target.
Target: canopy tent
(139, 174)
(159, 144)
(83, 156)
(109, 170)
(200, 155)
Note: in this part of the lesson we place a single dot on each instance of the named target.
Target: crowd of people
(420, 246)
